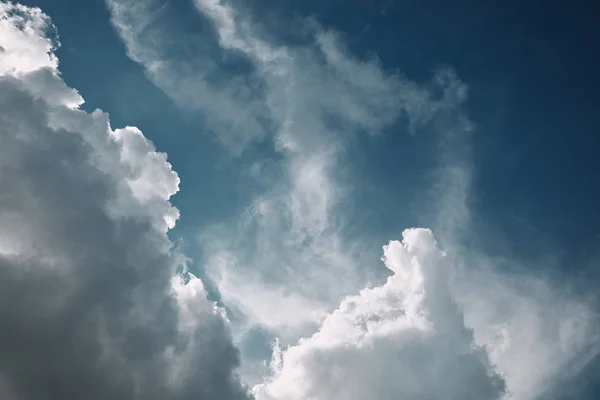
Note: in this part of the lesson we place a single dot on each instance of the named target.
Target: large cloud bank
(92, 304)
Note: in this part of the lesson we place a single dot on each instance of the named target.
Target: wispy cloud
(537, 332)
(187, 67)
(281, 265)
(288, 264)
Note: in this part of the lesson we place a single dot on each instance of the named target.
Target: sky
(299, 200)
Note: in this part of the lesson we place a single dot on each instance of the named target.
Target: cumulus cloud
(404, 339)
(96, 300)
(23, 48)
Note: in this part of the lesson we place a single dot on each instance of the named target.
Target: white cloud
(25, 47)
(93, 305)
(404, 339)
(440, 329)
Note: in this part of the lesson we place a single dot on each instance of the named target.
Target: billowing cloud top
(405, 339)
(25, 45)
(92, 304)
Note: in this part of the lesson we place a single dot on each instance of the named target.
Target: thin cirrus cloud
(185, 65)
(102, 305)
(288, 266)
(96, 303)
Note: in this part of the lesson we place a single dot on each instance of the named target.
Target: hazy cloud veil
(98, 303)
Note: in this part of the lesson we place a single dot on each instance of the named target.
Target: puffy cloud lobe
(93, 304)
(23, 49)
(404, 339)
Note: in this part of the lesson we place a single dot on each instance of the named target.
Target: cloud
(24, 50)
(440, 329)
(186, 65)
(404, 339)
(96, 300)
(539, 334)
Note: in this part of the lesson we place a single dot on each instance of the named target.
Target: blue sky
(307, 135)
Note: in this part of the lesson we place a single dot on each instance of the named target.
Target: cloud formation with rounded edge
(96, 302)
(404, 339)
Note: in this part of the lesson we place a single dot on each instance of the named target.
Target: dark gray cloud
(92, 303)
